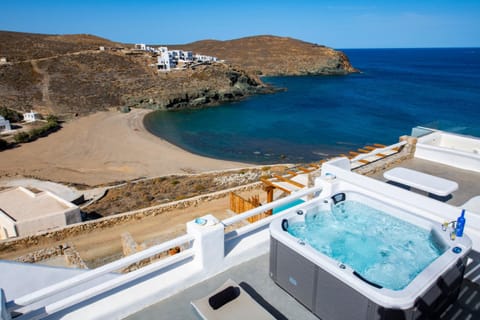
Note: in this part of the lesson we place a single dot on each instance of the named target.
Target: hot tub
(351, 256)
(451, 149)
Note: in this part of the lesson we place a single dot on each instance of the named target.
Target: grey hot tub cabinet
(330, 298)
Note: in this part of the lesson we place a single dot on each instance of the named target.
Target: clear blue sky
(338, 24)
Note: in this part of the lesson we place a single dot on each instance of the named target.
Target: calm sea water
(318, 116)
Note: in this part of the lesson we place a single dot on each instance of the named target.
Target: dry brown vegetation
(19, 46)
(147, 193)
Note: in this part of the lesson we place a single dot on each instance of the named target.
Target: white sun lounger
(422, 181)
(230, 301)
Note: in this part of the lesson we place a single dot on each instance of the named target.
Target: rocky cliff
(273, 56)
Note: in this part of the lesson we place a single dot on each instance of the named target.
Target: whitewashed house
(4, 125)
(174, 55)
(171, 59)
(141, 46)
(204, 58)
(163, 59)
(186, 56)
(31, 116)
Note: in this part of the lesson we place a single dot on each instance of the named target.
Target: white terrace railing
(4, 314)
(26, 300)
(21, 304)
(265, 221)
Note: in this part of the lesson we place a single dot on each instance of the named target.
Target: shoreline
(104, 148)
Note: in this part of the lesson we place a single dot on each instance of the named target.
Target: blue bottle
(460, 224)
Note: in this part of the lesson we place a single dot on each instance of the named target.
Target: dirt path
(45, 84)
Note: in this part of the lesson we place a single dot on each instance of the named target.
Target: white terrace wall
(7, 226)
(4, 314)
(44, 223)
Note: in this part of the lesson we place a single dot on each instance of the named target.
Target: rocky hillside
(19, 46)
(272, 56)
(68, 75)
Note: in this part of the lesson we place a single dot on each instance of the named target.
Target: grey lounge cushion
(231, 302)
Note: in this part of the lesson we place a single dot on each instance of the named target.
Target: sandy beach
(103, 148)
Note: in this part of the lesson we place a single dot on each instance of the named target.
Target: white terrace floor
(254, 274)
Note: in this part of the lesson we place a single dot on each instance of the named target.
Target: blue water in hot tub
(381, 248)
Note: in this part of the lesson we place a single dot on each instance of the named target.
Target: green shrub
(52, 125)
(21, 137)
(4, 144)
(52, 119)
(11, 115)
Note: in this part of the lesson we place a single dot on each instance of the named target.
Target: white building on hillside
(204, 58)
(174, 55)
(171, 59)
(4, 125)
(163, 59)
(186, 56)
(24, 213)
(31, 116)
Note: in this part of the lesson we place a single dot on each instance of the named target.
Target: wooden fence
(239, 205)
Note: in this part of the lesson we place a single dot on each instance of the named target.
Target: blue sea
(322, 116)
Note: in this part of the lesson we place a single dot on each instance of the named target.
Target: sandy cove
(102, 148)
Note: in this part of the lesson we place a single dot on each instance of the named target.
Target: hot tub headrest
(285, 225)
(339, 197)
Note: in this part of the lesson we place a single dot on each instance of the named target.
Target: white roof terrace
(22, 204)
